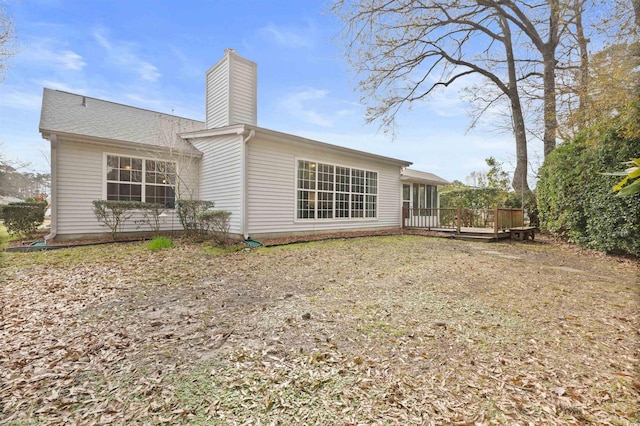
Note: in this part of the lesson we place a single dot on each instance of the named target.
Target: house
(273, 183)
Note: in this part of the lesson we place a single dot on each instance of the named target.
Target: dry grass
(384, 330)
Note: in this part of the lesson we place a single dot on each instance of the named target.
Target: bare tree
(543, 24)
(177, 160)
(404, 50)
(7, 41)
(594, 84)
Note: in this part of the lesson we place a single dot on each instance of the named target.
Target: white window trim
(336, 219)
(104, 172)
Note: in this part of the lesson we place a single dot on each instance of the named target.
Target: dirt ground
(378, 330)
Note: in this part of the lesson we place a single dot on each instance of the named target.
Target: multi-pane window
(325, 191)
(124, 178)
(372, 194)
(343, 185)
(135, 179)
(357, 193)
(306, 190)
(326, 180)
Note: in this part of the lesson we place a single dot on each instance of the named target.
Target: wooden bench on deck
(523, 233)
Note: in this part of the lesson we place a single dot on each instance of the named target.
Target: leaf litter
(384, 330)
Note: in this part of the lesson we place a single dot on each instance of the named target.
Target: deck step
(482, 238)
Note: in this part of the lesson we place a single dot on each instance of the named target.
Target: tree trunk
(583, 80)
(550, 117)
(519, 182)
(548, 51)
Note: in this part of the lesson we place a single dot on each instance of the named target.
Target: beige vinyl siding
(272, 189)
(217, 102)
(81, 179)
(231, 96)
(243, 91)
(221, 175)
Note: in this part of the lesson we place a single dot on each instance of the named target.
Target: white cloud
(46, 51)
(289, 37)
(71, 60)
(57, 85)
(20, 99)
(296, 104)
(123, 55)
(187, 64)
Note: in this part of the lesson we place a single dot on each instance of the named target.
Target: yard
(381, 330)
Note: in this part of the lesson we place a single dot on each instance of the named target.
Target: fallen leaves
(388, 330)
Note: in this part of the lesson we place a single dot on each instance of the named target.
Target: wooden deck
(473, 234)
(465, 224)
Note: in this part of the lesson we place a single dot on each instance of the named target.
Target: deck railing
(508, 218)
(428, 218)
(498, 219)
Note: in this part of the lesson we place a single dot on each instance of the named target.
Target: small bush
(23, 219)
(4, 238)
(151, 215)
(160, 243)
(216, 223)
(189, 211)
(113, 214)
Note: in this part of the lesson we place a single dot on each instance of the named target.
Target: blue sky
(154, 54)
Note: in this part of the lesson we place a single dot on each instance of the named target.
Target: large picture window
(325, 191)
(137, 179)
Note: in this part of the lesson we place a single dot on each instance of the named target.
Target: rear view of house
(273, 183)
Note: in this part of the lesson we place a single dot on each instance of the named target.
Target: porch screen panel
(432, 196)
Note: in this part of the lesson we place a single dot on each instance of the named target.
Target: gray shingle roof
(424, 176)
(64, 112)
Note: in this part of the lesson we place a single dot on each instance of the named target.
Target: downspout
(245, 184)
(54, 188)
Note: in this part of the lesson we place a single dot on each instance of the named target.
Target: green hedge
(189, 211)
(23, 219)
(577, 202)
(479, 198)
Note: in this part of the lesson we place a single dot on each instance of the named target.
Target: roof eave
(325, 145)
(423, 180)
(273, 134)
(46, 134)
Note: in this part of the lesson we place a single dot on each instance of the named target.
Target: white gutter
(54, 188)
(245, 184)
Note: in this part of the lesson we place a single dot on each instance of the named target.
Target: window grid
(343, 183)
(325, 191)
(306, 190)
(135, 179)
